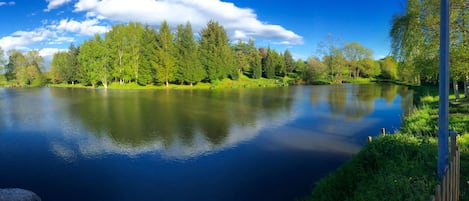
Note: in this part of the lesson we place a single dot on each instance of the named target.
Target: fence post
(443, 110)
(453, 135)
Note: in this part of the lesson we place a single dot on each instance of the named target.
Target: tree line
(415, 41)
(24, 69)
(137, 53)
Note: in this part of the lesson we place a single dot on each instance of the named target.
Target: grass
(401, 166)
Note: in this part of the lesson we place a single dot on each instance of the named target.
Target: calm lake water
(240, 144)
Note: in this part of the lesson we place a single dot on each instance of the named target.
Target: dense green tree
(355, 54)
(314, 70)
(94, 62)
(189, 68)
(28, 69)
(300, 65)
(415, 40)
(124, 43)
(25, 68)
(217, 57)
(289, 61)
(117, 40)
(255, 62)
(149, 59)
(60, 67)
(370, 68)
(135, 40)
(166, 65)
(241, 50)
(269, 64)
(388, 67)
(16, 60)
(407, 40)
(279, 63)
(336, 65)
(72, 74)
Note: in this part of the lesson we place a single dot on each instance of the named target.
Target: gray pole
(443, 90)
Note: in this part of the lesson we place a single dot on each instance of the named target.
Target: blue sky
(298, 25)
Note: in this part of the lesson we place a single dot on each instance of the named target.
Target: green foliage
(216, 54)
(400, 166)
(148, 51)
(358, 59)
(255, 63)
(24, 70)
(59, 67)
(94, 62)
(388, 67)
(395, 167)
(166, 64)
(289, 62)
(415, 40)
(270, 64)
(314, 70)
(189, 68)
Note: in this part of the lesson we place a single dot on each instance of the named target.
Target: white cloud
(3, 3)
(49, 52)
(21, 39)
(61, 40)
(240, 23)
(88, 27)
(52, 4)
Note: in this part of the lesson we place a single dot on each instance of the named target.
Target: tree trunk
(167, 84)
(456, 89)
(191, 84)
(466, 87)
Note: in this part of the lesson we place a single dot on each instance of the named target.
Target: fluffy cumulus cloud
(21, 39)
(3, 3)
(241, 23)
(88, 27)
(52, 4)
(48, 53)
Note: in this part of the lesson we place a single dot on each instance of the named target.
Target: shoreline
(401, 165)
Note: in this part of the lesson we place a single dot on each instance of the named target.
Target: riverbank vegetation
(400, 166)
(134, 55)
(415, 43)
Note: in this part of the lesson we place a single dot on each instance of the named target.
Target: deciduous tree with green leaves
(166, 65)
(94, 62)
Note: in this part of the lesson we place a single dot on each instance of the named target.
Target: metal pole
(443, 90)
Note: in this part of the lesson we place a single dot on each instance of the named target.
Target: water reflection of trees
(136, 118)
(356, 101)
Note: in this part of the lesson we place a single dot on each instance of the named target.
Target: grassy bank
(243, 82)
(401, 166)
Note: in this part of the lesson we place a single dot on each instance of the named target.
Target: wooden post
(383, 131)
(453, 135)
(370, 139)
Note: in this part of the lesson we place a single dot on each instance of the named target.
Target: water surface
(240, 144)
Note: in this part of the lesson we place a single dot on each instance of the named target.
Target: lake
(233, 144)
